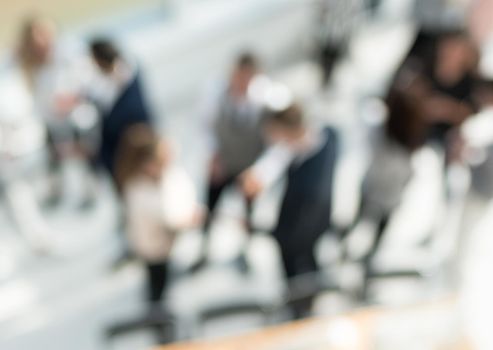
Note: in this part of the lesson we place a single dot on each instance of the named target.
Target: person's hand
(192, 221)
(216, 171)
(250, 184)
(456, 149)
(198, 216)
(64, 104)
(439, 108)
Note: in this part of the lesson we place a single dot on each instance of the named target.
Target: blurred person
(403, 133)
(307, 156)
(232, 119)
(22, 147)
(434, 18)
(57, 74)
(337, 21)
(119, 96)
(160, 202)
(457, 89)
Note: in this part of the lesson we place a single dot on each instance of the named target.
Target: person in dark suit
(120, 98)
(307, 157)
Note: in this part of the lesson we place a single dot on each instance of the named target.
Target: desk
(429, 326)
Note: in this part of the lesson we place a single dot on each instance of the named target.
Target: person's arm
(181, 210)
(442, 108)
(266, 170)
(483, 93)
(73, 75)
(207, 113)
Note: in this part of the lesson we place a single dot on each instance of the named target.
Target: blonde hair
(26, 54)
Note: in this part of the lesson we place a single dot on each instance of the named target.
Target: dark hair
(247, 60)
(290, 117)
(138, 145)
(405, 123)
(452, 33)
(104, 51)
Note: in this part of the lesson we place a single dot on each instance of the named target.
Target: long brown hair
(405, 121)
(138, 146)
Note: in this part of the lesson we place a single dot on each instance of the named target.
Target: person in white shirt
(22, 148)
(58, 73)
(160, 202)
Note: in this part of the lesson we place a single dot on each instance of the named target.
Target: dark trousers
(297, 263)
(214, 193)
(381, 225)
(329, 56)
(300, 225)
(157, 277)
(373, 6)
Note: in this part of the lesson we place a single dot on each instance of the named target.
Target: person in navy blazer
(121, 100)
(306, 155)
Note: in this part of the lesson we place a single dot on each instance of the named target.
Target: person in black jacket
(120, 99)
(307, 157)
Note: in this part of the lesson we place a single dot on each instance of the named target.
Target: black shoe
(87, 203)
(241, 263)
(302, 309)
(52, 201)
(122, 261)
(198, 265)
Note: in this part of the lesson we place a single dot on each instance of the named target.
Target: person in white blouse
(160, 201)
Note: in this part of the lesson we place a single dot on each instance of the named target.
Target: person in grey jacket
(233, 119)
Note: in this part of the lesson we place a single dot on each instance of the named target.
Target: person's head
(141, 153)
(286, 125)
(105, 54)
(406, 120)
(244, 71)
(37, 40)
(456, 53)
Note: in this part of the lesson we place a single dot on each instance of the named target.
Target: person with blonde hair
(57, 73)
